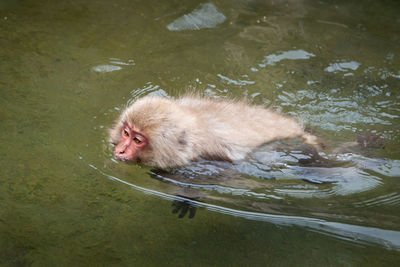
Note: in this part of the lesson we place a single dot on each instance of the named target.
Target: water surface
(68, 68)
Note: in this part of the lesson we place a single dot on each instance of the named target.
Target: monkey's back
(238, 127)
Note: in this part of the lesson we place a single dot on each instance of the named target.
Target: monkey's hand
(184, 207)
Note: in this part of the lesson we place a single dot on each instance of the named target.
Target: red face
(130, 145)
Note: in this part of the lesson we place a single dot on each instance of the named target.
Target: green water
(68, 67)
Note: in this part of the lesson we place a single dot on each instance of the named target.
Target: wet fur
(185, 129)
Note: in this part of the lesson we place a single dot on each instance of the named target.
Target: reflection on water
(343, 66)
(235, 82)
(115, 64)
(335, 111)
(292, 55)
(205, 16)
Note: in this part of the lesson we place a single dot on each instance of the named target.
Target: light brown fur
(191, 127)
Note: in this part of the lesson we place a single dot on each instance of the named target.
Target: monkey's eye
(137, 140)
(126, 132)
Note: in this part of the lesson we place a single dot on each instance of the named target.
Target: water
(68, 68)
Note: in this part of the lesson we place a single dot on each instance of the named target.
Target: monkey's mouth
(122, 158)
(127, 159)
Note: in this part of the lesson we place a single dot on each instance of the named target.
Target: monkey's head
(153, 130)
(131, 142)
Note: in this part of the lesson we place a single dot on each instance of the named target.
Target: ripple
(149, 89)
(386, 167)
(235, 82)
(345, 181)
(389, 199)
(218, 188)
(281, 173)
(334, 111)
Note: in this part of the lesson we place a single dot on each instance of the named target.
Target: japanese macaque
(166, 133)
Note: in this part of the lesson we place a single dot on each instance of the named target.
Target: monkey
(164, 132)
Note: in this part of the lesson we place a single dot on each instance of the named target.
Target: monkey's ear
(182, 139)
(115, 133)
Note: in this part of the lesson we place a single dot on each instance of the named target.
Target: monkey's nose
(120, 155)
(119, 151)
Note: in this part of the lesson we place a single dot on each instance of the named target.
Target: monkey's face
(131, 143)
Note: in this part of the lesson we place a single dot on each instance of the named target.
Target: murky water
(67, 69)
